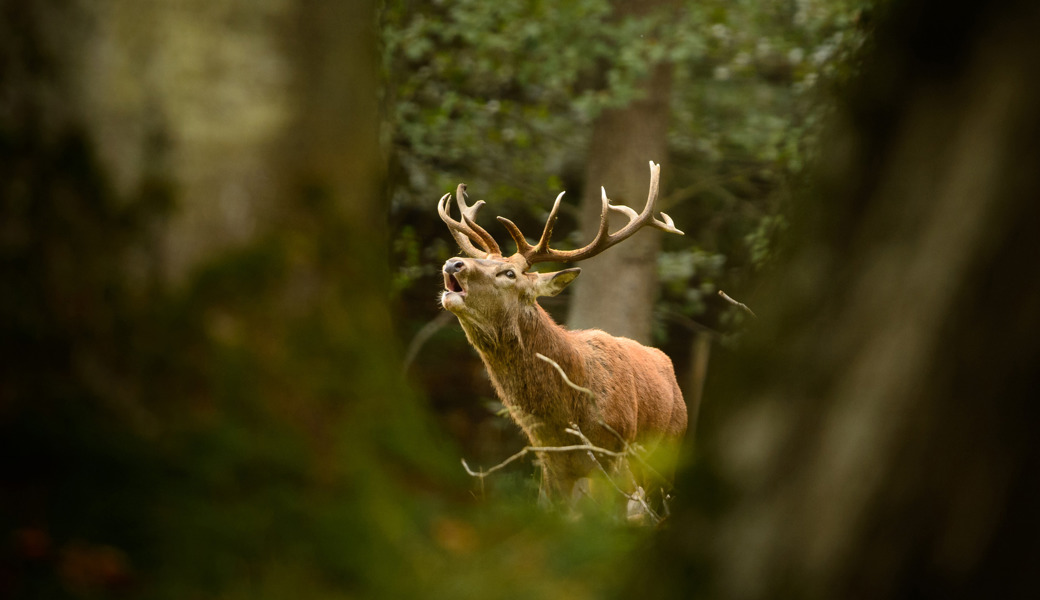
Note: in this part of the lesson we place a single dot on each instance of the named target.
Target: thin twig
(712, 183)
(636, 452)
(634, 496)
(566, 379)
(739, 305)
(423, 335)
(528, 449)
(690, 324)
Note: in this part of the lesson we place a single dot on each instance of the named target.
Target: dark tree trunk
(224, 436)
(876, 437)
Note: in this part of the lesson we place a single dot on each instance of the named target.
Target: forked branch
(637, 495)
(528, 449)
(591, 450)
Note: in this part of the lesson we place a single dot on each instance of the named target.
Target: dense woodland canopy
(225, 373)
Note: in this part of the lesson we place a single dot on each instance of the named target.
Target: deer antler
(467, 231)
(541, 252)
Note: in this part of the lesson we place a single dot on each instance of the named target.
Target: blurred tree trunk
(246, 429)
(876, 437)
(616, 290)
(700, 354)
(195, 91)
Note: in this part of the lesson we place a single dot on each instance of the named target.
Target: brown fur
(634, 387)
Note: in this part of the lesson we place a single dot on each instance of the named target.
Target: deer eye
(510, 274)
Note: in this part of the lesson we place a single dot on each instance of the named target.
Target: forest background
(527, 100)
(225, 372)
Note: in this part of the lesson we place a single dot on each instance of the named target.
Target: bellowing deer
(635, 396)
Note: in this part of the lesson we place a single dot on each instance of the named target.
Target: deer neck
(524, 382)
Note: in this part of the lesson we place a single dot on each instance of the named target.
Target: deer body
(634, 395)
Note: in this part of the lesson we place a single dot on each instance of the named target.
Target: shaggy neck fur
(532, 390)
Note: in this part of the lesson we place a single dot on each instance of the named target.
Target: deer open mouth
(452, 284)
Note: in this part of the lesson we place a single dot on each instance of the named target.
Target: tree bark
(220, 436)
(616, 289)
(700, 353)
(875, 438)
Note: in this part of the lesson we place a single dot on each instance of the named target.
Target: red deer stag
(634, 392)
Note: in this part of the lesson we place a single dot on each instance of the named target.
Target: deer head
(485, 288)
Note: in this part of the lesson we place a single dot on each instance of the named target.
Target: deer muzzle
(454, 293)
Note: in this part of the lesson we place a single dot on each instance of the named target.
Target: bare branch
(635, 451)
(715, 184)
(566, 379)
(528, 449)
(739, 305)
(423, 335)
(635, 496)
(690, 324)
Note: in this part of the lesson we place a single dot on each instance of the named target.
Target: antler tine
(469, 217)
(543, 242)
(457, 229)
(522, 247)
(644, 218)
(467, 231)
(603, 239)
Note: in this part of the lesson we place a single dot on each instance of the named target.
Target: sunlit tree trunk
(616, 290)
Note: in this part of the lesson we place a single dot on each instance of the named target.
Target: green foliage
(463, 77)
(504, 96)
(677, 269)
(417, 258)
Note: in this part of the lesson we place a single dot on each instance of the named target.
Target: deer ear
(550, 284)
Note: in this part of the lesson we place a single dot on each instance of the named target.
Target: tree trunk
(700, 353)
(876, 436)
(616, 289)
(231, 435)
